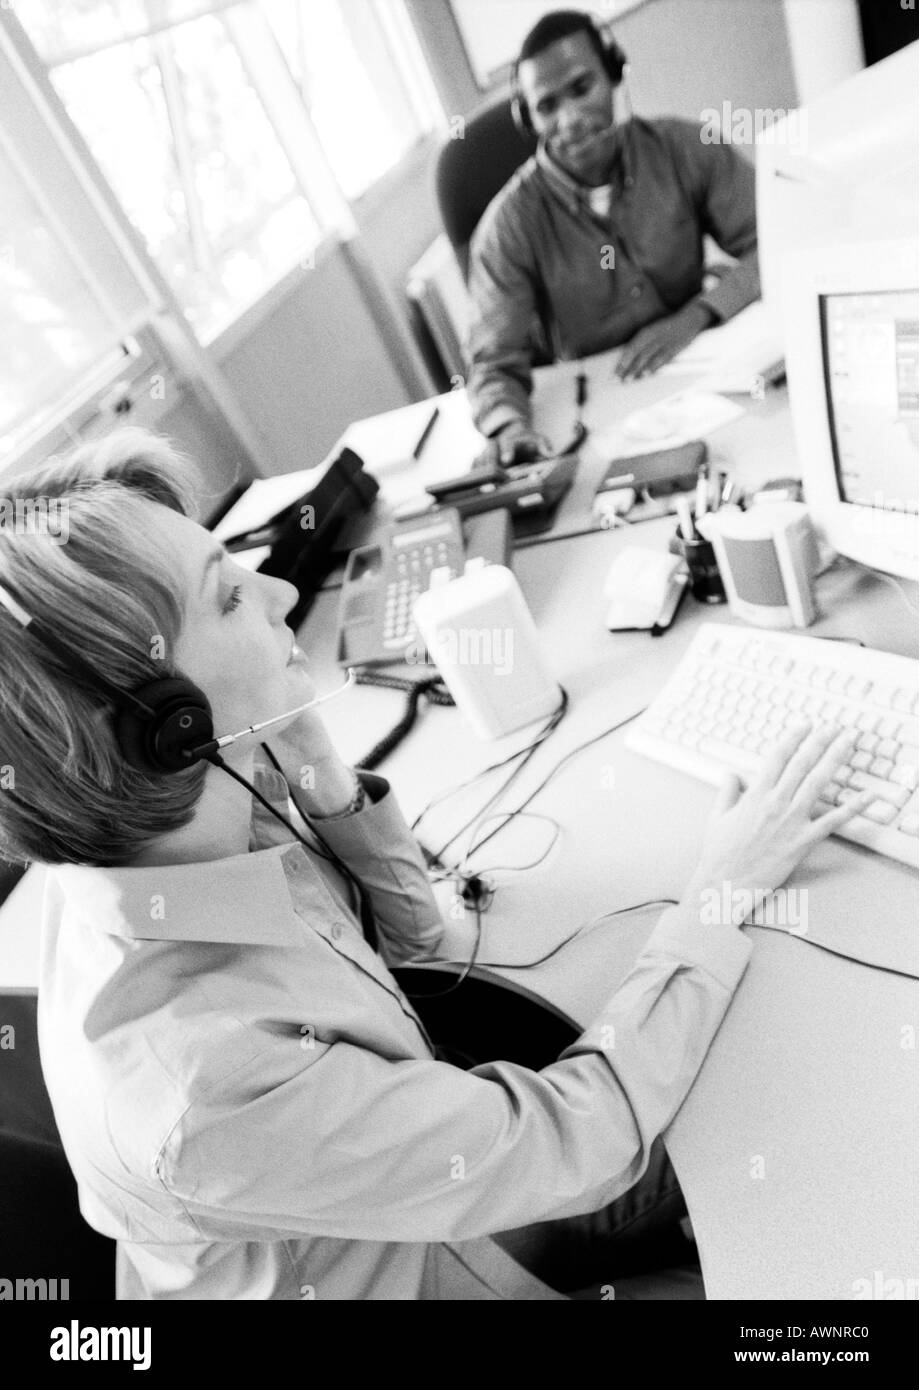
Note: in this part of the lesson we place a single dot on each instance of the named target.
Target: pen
(581, 399)
(423, 437)
(702, 491)
(720, 483)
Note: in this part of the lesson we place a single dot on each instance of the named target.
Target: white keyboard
(738, 689)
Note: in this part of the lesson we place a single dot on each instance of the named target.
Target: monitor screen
(871, 370)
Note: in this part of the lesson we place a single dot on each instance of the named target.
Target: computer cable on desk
(579, 931)
(473, 889)
(572, 752)
(461, 871)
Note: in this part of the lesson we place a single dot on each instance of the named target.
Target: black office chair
(42, 1234)
(471, 170)
(486, 1018)
(10, 874)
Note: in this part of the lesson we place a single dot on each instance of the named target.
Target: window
(55, 325)
(361, 75)
(233, 133)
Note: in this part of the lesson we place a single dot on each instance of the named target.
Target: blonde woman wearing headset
(247, 1100)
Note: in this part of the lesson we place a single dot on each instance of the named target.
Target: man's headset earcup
(614, 60)
(520, 114)
(181, 719)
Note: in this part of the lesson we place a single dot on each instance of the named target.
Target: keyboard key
(880, 811)
(862, 761)
(867, 743)
(887, 748)
(889, 727)
(905, 775)
(728, 754)
(909, 825)
(868, 721)
(884, 791)
(857, 687)
(882, 767)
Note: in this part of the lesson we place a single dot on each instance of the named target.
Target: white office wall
(826, 44)
(316, 362)
(493, 30)
(685, 55)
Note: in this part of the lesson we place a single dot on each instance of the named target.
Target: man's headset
(614, 62)
(165, 725)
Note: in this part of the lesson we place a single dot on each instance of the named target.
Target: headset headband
(29, 623)
(614, 60)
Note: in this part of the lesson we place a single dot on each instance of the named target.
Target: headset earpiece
(181, 720)
(614, 61)
(520, 114)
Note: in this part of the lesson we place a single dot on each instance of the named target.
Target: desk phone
(383, 580)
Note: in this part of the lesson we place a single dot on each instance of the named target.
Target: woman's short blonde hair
(106, 590)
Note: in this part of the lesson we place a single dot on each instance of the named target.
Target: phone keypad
(413, 577)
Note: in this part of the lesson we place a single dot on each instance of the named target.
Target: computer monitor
(852, 356)
(843, 169)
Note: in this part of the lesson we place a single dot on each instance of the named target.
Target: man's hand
(754, 841)
(518, 442)
(660, 341)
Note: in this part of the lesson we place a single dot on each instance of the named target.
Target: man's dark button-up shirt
(543, 256)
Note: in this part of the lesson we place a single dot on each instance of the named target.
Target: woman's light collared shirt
(252, 1109)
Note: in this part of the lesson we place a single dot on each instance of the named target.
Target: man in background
(597, 240)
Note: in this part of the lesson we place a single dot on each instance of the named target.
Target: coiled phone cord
(433, 690)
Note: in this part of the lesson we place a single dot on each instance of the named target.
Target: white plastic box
(479, 632)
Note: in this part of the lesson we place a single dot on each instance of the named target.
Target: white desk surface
(798, 1147)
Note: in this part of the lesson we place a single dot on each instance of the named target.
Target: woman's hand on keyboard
(755, 838)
